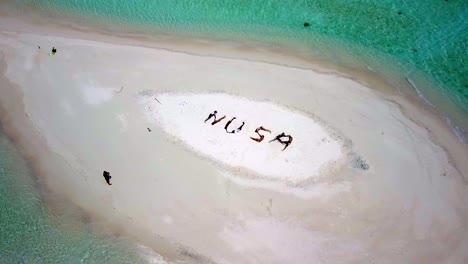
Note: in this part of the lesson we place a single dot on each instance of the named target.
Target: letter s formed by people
(260, 136)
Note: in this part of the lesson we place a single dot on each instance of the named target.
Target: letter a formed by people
(286, 143)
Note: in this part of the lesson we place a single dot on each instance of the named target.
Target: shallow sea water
(428, 36)
(32, 233)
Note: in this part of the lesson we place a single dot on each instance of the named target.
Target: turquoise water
(29, 233)
(428, 36)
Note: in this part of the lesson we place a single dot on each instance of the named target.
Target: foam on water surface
(429, 37)
(32, 233)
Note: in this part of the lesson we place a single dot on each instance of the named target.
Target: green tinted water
(430, 36)
(30, 234)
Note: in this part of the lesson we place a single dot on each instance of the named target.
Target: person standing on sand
(286, 143)
(107, 177)
(261, 137)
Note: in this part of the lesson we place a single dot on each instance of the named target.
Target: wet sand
(71, 116)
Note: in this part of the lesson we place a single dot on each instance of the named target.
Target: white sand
(182, 116)
(303, 246)
(176, 189)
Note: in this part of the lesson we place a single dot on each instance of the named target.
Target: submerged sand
(369, 177)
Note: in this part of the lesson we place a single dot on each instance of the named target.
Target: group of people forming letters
(282, 138)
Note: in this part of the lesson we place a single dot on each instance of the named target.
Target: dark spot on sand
(306, 24)
(359, 162)
(399, 12)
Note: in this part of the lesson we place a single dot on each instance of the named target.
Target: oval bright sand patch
(182, 116)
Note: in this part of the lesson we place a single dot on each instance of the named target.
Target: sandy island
(370, 177)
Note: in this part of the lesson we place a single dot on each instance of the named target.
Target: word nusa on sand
(257, 130)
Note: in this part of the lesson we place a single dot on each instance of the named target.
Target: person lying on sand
(240, 128)
(228, 123)
(261, 137)
(213, 115)
(284, 142)
(107, 177)
(235, 130)
(217, 120)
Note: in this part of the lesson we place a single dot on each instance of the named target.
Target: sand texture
(370, 177)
